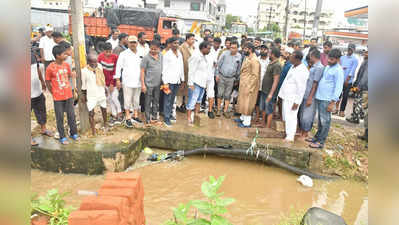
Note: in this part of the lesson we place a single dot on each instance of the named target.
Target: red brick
(119, 192)
(124, 184)
(94, 217)
(120, 204)
(124, 176)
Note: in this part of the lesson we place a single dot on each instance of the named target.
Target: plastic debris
(148, 150)
(330, 152)
(125, 141)
(305, 181)
(84, 192)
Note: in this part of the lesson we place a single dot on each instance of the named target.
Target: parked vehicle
(127, 20)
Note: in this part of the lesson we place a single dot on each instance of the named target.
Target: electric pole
(270, 16)
(286, 21)
(304, 23)
(317, 18)
(78, 37)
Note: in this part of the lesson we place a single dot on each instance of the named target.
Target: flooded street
(262, 193)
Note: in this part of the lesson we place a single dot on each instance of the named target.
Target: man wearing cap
(46, 47)
(128, 67)
(349, 64)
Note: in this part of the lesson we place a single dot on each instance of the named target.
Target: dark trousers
(152, 102)
(120, 98)
(169, 100)
(65, 106)
(38, 105)
(345, 94)
(46, 63)
(142, 101)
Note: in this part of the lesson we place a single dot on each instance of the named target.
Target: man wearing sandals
(327, 94)
(57, 80)
(38, 101)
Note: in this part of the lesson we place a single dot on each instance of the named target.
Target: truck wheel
(100, 46)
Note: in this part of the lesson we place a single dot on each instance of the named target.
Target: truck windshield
(167, 24)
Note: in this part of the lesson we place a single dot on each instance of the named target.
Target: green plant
(52, 205)
(212, 209)
(294, 217)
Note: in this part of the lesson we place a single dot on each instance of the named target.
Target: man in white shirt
(46, 47)
(142, 48)
(38, 101)
(128, 66)
(292, 92)
(93, 88)
(210, 85)
(198, 75)
(114, 40)
(172, 76)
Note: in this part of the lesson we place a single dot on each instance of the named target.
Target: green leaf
(224, 201)
(218, 220)
(200, 221)
(203, 206)
(207, 190)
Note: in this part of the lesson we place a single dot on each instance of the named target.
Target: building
(355, 30)
(270, 12)
(273, 12)
(189, 11)
(221, 14)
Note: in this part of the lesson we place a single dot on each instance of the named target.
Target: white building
(274, 11)
(221, 13)
(190, 10)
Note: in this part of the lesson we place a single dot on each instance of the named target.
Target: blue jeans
(195, 96)
(306, 115)
(324, 121)
(169, 100)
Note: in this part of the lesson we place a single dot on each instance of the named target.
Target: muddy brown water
(262, 193)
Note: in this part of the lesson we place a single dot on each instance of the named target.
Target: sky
(236, 7)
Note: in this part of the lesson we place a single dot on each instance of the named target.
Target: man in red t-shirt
(108, 62)
(57, 81)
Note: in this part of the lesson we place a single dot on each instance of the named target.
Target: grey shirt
(315, 74)
(229, 65)
(153, 70)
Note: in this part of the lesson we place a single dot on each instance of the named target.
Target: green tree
(250, 30)
(230, 19)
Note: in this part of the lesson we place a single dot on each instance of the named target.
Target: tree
(250, 30)
(230, 19)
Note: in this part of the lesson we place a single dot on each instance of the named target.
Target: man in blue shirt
(349, 64)
(327, 94)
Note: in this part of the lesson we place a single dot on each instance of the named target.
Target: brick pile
(119, 202)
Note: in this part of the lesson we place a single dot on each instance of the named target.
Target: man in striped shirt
(108, 62)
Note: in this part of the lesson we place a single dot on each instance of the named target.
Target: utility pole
(287, 11)
(317, 18)
(270, 16)
(304, 23)
(78, 37)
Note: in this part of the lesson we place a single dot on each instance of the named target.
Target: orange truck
(130, 21)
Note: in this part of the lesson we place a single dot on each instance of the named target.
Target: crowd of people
(254, 81)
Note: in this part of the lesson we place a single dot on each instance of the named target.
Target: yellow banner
(82, 55)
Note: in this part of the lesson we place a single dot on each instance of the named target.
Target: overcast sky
(249, 7)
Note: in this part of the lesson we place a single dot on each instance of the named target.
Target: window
(218, 8)
(210, 8)
(195, 6)
(167, 3)
(167, 24)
